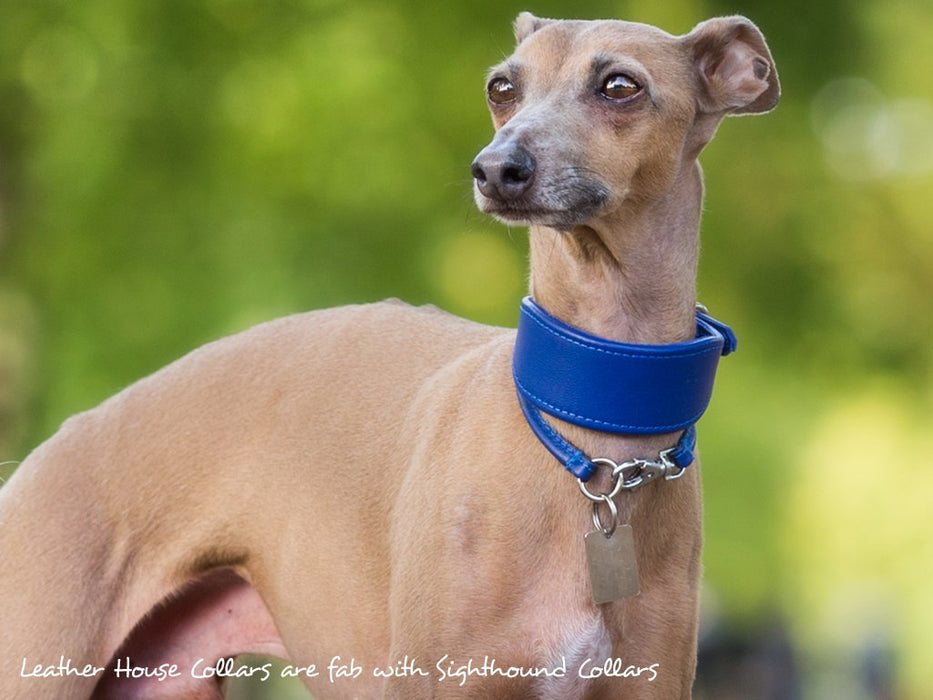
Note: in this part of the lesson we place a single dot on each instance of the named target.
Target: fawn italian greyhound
(360, 491)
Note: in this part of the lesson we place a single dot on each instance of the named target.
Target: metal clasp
(671, 470)
(633, 474)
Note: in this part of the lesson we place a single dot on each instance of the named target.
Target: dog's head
(591, 114)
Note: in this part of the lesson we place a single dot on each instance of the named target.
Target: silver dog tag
(613, 569)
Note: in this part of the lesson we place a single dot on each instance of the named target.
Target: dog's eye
(619, 87)
(501, 91)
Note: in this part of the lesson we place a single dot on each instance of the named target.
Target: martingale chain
(627, 476)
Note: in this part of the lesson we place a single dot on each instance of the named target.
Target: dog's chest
(586, 641)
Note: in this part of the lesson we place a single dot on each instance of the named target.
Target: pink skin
(217, 617)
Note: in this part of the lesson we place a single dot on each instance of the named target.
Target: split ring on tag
(609, 530)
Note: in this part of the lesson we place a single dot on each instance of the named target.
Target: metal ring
(613, 514)
(616, 486)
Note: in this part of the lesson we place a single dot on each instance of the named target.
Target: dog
(357, 490)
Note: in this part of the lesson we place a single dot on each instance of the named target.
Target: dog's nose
(503, 173)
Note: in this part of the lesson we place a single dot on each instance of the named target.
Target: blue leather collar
(613, 387)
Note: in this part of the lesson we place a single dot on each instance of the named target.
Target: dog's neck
(630, 276)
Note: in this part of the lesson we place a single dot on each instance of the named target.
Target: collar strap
(613, 387)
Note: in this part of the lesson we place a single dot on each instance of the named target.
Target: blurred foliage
(174, 171)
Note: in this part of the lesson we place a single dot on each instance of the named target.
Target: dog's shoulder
(387, 333)
(388, 323)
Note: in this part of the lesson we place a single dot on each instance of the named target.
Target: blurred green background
(178, 170)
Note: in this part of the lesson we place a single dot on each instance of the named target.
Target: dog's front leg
(67, 578)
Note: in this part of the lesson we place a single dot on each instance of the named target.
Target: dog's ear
(527, 24)
(735, 71)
